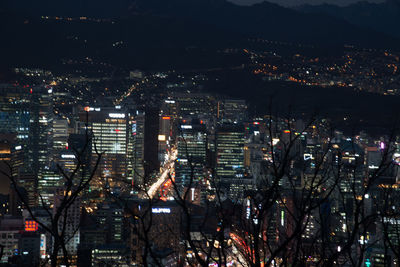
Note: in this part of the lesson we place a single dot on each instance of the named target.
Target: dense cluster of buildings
(189, 168)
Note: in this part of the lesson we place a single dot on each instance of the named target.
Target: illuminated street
(166, 169)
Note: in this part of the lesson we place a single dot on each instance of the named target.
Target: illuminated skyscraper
(52, 178)
(230, 159)
(15, 110)
(136, 147)
(28, 113)
(60, 134)
(41, 129)
(191, 162)
(79, 146)
(48, 184)
(41, 141)
(5, 157)
(164, 136)
(15, 119)
(109, 127)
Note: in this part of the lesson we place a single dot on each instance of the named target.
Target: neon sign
(31, 226)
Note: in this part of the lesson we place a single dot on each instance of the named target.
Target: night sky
(301, 2)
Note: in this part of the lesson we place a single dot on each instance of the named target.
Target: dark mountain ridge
(382, 17)
(158, 34)
(265, 20)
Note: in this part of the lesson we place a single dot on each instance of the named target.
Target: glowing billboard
(31, 226)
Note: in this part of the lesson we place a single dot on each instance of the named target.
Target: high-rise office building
(5, 157)
(102, 230)
(151, 129)
(109, 132)
(169, 107)
(77, 152)
(28, 113)
(41, 142)
(136, 147)
(230, 169)
(232, 111)
(69, 224)
(194, 104)
(165, 136)
(10, 228)
(48, 184)
(51, 178)
(191, 162)
(60, 134)
(41, 130)
(15, 120)
(15, 110)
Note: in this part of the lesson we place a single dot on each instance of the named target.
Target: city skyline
(199, 133)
